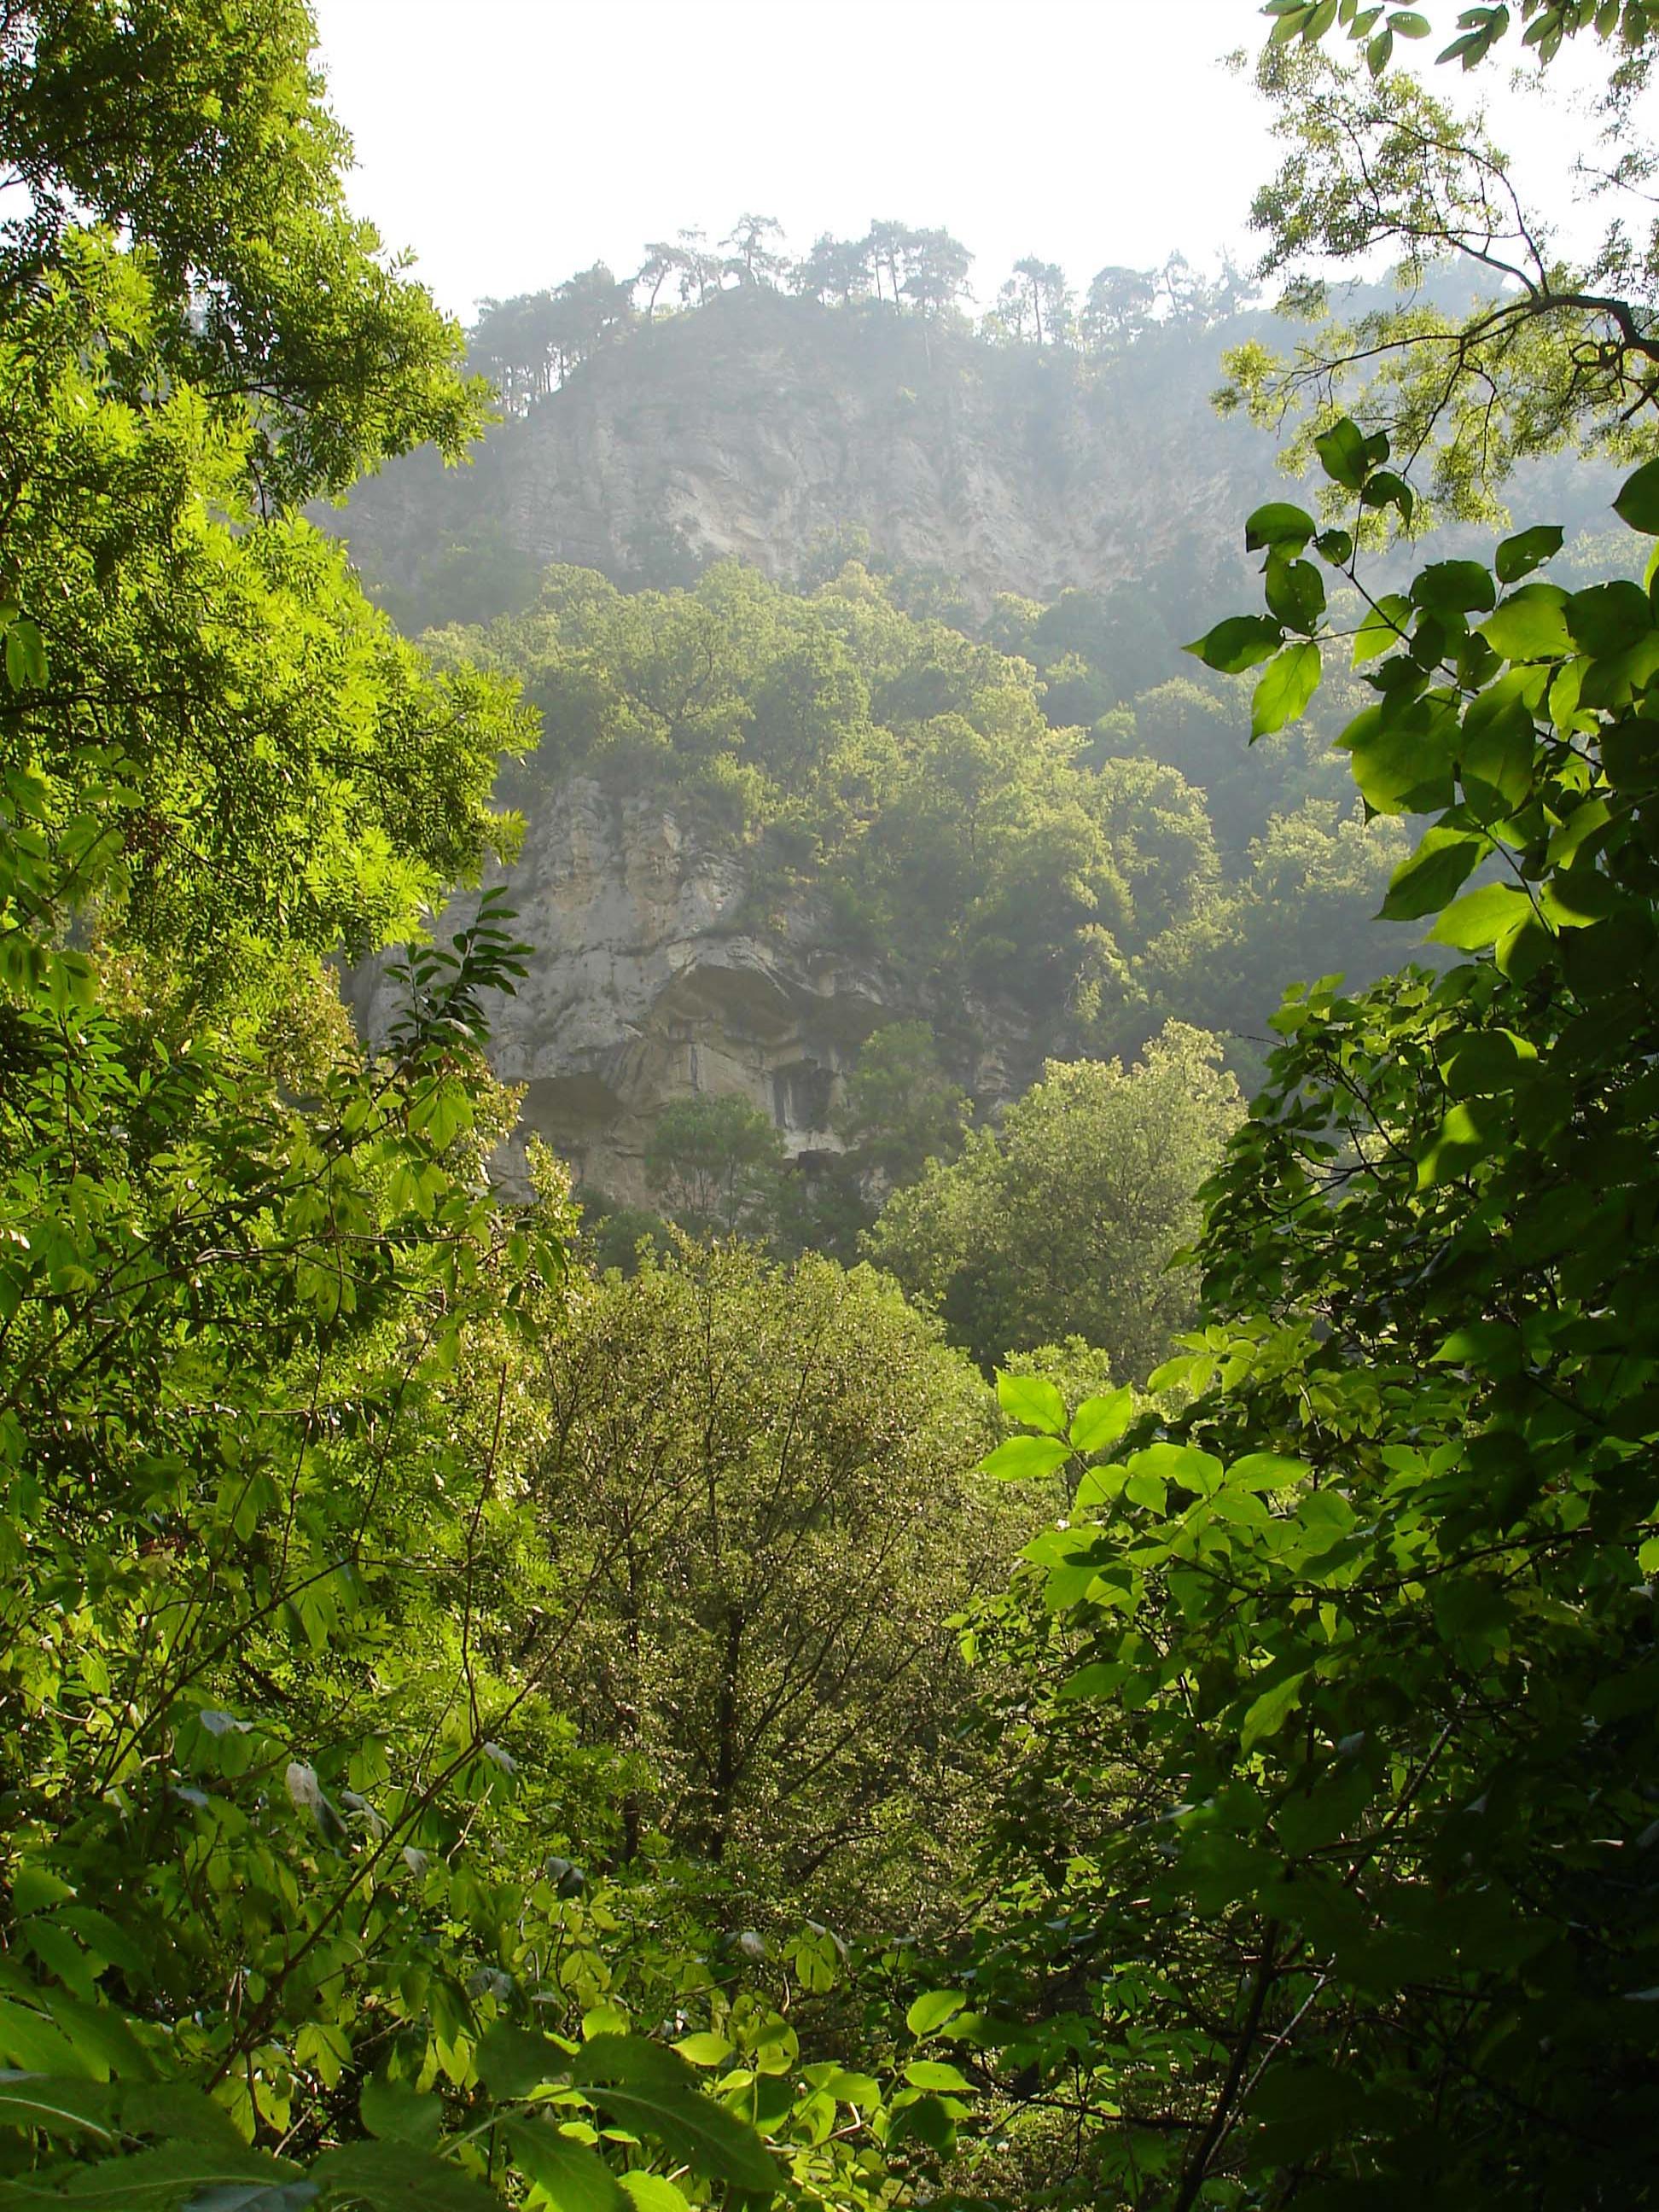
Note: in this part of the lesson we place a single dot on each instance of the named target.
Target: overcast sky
(512, 142)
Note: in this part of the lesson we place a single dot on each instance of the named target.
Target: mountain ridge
(764, 427)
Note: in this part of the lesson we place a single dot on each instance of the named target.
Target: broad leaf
(1607, 618)
(649, 2089)
(933, 2074)
(1519, 556)
(1296, 594)
(1442, 862)
(1403, 765)
(1264, 1471)
(1531, 625)
(60, 2105)
(1033, 1399)
(1240, 642)
(513, 2061)
(1385, 627)
(1638, 502)
(149, 2180)
(1498, 746)
(1454, 587)
(1279, 524)
(255, 2196)
(1344, 453)
(576, 2178)
(1284, 689)
(653, 2192)
(1022, 1459)
(1099, 1422)
(1267, 1715)
(1481, 917)
(702, 2049)
(931, 2010)
(388, 2177)
(400, 2114)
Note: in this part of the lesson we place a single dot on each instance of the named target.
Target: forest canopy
(483, 1731)
(1105, 876)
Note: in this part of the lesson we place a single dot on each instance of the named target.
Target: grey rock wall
(654, 977)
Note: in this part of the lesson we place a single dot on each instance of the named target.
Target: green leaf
(255, 2196)
(1407, 23)
(1486, 1064)
(1638, 502)
(399, 2114)
(513, 2061)
(933, 2074)
(102, 2041)
(1282, 693)
(1033, 1399)
(1022, 1459)
(1261, 1471)
(648, 2088)
(160, 2179)
(59, 2104)
(1457, 1144)
(1100, 1421)
(25, 655)
(1480, 917)
(1609, 617)
(1531, 625)
(1296, 594)
(1519, 556)
(1454, 587)
(1499, 745)
(1423, 884)
(928, 2119)
(1268, 1714)
(1098, 1680)
(1240, 642)
(1402, 765)
(847, 2088)
(933, 2010)
(653, 2192)
(1385, 627)
(1279, 524)
(391, 2177)
(1389, 488)
(576, 2178)
(703, 2050)
(28, 2040)
(1344, 452)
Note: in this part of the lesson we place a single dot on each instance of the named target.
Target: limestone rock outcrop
(759, 426)
(658, 973)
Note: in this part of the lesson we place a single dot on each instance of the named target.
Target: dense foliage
(1064, 1220)
(1327, 1854)
(765, 1468)
(925, 788)
(437, 1681)
(1348, 1653)
(268, 1344)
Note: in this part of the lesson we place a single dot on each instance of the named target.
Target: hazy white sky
(512, 142)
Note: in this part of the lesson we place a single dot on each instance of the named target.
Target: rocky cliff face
(757, 425)
(655, 976)
(755, 429)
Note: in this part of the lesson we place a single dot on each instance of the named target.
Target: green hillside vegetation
(927, 784)
(480, 1731)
